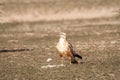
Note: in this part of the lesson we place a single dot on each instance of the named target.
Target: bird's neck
(62, 40)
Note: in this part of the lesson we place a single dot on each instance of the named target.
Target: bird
(65, 50)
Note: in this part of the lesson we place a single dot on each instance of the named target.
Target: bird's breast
(62, 46)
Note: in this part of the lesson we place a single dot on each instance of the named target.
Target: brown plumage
(65, 50)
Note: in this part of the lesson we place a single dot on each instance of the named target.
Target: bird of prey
(65, 50)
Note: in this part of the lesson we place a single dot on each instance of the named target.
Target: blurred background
(46, 10)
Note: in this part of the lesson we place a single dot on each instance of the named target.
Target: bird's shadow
(14, 50)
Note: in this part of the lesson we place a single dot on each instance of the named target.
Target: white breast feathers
(62, 45)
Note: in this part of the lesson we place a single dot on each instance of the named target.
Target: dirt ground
(25, 47)
(27, 42)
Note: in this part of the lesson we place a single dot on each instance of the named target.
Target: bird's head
(63, 35)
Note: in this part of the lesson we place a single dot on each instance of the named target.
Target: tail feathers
(74, 60)
(76, 55)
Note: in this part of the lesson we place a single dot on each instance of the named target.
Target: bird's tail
(74, 60)
(77, 55)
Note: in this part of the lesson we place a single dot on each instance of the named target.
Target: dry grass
(99, 45)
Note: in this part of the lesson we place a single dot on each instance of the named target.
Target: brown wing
(71, 47)
(73, 52)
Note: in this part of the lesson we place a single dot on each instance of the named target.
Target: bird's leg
(62, 61)
(70, 60)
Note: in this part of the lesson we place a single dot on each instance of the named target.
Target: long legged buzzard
(65, 50)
